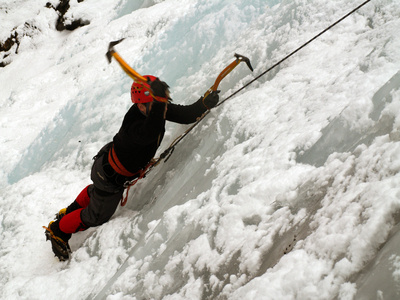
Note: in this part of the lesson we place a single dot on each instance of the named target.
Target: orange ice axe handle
(227, 70)
(129, 70)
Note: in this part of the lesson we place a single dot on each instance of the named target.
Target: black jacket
(139, 137)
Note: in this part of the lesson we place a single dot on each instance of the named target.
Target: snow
(289, 190)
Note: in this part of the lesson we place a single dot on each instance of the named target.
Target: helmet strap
(148, 105)
(146, 111)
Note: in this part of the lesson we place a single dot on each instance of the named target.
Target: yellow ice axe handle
(226, 71)
(129, 70)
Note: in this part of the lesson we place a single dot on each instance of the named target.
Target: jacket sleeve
(185, 114)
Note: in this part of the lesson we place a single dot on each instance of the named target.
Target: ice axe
(140, 79)
(129, 70)
(227, 70)
(239, 58)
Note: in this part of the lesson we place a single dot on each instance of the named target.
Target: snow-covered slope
(289, 190)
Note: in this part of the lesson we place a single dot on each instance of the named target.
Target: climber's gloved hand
(160, 88)
(211, 100)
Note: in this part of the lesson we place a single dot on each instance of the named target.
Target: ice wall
(339, 136)
(290, 189)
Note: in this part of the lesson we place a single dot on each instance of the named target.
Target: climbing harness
(117, 165)
(239, 58)
(129, 184)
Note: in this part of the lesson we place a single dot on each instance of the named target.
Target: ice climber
(123, 159)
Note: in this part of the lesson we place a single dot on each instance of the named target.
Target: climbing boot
(59, 240)
(61, 213)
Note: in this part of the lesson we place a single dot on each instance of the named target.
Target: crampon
(60, 248)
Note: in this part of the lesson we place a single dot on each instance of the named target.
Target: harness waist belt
(117, 166)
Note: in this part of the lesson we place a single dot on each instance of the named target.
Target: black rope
(169, 150)
(295, 51)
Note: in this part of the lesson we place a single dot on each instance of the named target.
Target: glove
(159, 88)
(211, 100)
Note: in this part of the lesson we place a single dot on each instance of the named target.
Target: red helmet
(139, 94)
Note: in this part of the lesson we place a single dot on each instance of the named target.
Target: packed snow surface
(289, 190)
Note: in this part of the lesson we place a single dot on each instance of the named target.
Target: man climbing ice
(123, 159)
